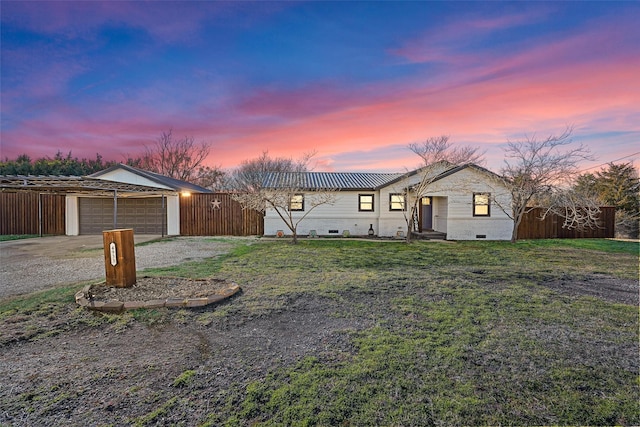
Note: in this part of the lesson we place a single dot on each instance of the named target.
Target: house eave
(164, 181)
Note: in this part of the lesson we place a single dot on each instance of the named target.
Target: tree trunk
(514, 232)
(410, 222)
(409, 233)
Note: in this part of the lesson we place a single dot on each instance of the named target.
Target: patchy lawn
(346, 332)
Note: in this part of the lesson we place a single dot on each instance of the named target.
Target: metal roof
(357, 180)
(329, 180)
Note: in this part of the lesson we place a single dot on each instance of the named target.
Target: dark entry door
(426, 213)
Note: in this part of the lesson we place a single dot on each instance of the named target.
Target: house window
(297, 202)
(481, 204)
(396, 202)
(365, 202)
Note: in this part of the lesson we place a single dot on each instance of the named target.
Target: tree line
(179, 158)
(58, 165)
(538, 172)
(615, 185)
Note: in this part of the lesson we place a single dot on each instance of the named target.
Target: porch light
(185, 194)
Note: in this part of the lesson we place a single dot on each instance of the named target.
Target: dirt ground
(34, 264)
(112, 374)
(106, 375)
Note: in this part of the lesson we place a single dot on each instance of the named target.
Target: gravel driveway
(35, 264)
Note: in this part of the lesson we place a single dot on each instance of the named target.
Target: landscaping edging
(114, 306)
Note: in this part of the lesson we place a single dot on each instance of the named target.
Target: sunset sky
(355, 81)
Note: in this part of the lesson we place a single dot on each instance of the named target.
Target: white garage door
(144, 215)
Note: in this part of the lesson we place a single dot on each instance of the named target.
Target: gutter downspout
(40, 214)
(164, 215)
(115, 209)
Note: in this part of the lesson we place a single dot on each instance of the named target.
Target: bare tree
(213, 178)
(249, 176)
(438, 155)
(280, 184)
(579, 210)
(538, 168)
(440, 149)
(616, 185)
(176, 158)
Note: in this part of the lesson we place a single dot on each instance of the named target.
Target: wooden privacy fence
(32, 213)
(217, 214)
(532, 227)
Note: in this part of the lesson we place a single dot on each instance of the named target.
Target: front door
(426, 214)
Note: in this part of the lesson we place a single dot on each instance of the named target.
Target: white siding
(173, 215)
(460, 222)
(72, 217)
(120, 175)
(452, 210)
(440, 212)
(462, 225)
(391, 222)
(342, 215)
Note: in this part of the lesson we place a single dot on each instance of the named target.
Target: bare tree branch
(536, 168)
(175, 158)
(580, 212)
(438, 155)
(616, 185)
(288, 182)
(213, 178)
(439, 149)
(249, 176)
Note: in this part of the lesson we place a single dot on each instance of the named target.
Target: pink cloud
(486, 112)
(309, 100)
(540, 89)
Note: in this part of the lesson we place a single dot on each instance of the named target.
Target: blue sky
(354, 81)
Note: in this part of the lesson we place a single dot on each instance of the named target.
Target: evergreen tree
(617, 185)
(58, 165)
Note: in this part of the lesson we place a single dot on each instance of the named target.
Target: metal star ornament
(215, 204)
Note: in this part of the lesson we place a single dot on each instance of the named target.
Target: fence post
(119, 258)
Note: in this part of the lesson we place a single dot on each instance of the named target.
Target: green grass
(460, 333)
(50, 312)
(184, 379)
(158, 413)
(7, 237)
(604, 245)
(463, 334)
(47, 301)
(468, 359)
(205, 268)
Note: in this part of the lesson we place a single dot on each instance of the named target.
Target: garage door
(144, 215)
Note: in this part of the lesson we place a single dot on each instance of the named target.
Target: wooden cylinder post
(119, 257)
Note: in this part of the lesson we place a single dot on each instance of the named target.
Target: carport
(90, 206)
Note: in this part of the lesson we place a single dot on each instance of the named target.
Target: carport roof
(73, 184)
(163, 180)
